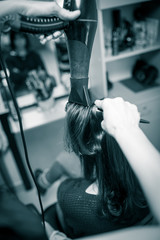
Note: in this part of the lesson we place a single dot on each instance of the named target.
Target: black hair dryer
(80, 33)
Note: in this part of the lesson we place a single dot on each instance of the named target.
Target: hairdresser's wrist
(26, 8)
(31, 8)
(16, 7)
(127, 134)
(10, 8)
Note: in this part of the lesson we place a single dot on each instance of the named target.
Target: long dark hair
(103, 160)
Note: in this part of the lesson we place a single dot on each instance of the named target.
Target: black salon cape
(17, 221)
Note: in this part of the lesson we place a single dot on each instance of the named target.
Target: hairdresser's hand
(118, 115)
(37, 8)
(47, 8)
(42, 8)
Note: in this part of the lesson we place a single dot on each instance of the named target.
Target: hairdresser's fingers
(118, 115)
(108, 102)
(132, 113)
(98, 103)
(43, 39)
(104, 126)
(41, 8)
(101, 104)
(66, 14)
(57, 34)
(121, 112)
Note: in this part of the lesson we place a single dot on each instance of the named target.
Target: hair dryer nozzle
(80, 36)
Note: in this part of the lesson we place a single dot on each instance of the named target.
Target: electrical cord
(22, 133)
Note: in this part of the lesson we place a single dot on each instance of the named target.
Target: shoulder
(77, 184)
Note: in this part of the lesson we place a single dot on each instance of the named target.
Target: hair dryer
(79, 37)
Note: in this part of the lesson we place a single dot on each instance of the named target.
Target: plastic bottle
(115, 42)
(116, 18)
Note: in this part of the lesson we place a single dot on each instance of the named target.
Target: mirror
(37, 71)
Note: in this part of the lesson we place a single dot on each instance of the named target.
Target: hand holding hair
(121, 120)
(118, 115)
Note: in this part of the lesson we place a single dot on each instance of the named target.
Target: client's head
(103, 160)
(84, 132)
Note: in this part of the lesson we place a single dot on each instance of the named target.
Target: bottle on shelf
(115, 42)
(116, 31)
(108, 40)
(128, 37)
(139, 26)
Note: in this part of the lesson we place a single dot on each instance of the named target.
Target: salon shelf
(104, 4)
(116, 70)
(120, 67)
(129, 53)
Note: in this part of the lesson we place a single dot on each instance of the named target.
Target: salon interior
(124, 63)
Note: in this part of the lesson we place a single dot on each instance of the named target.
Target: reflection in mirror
(37, 71)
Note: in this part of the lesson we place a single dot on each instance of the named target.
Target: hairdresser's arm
(36, 8)
(121, 120)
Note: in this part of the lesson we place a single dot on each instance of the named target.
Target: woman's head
(84, 132)
(103, 160)
(19, 40)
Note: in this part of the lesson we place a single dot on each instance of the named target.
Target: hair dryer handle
(38, 25)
